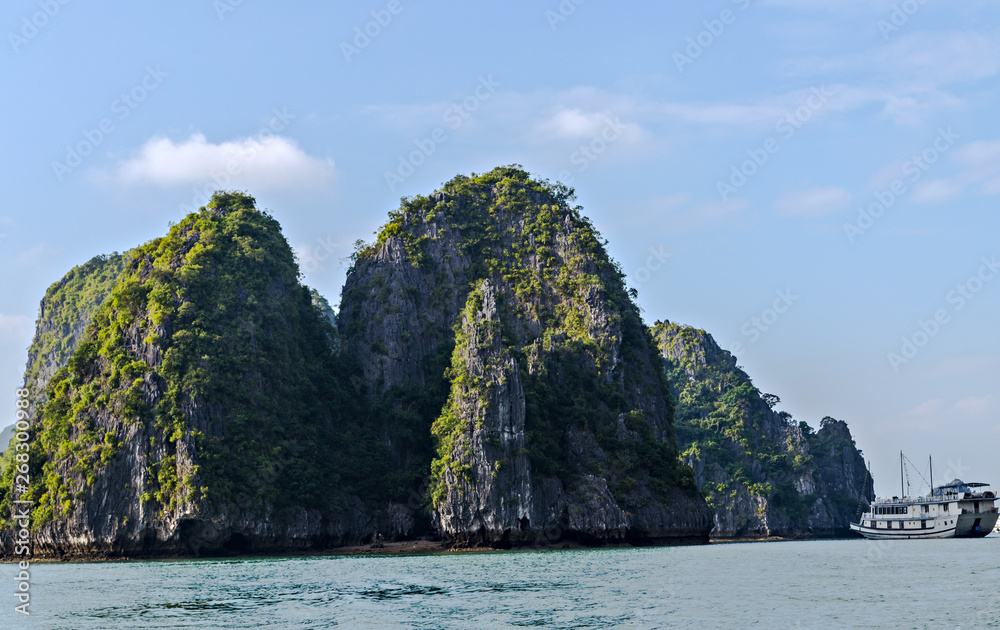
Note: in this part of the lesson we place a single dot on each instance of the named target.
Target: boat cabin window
(895, 509)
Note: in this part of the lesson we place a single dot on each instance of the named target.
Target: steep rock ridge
(203, 410)
(553, 419)
(762, 473)
(487, 490)
(63, 317)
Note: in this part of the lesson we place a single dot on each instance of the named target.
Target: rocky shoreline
(404, 547)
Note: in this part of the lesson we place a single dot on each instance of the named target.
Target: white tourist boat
(954, 510)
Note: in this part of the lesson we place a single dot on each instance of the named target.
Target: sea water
(812, 584)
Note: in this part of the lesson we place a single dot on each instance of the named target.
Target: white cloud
(814, 202)
(937, 191)
(261, 162)
(577, 124)
(571, 114)
(931, 407)
(572, 124)
(938, 57)
(917, 60)
(980, 164)
(975, 405)
(937, 410)
(810, 103)
(978, 154)
(911, 74)
(582, 113)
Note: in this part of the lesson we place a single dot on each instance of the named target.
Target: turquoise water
(816, 584)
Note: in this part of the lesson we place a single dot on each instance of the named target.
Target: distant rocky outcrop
(762, 473)
(5, 437)
(321, 303)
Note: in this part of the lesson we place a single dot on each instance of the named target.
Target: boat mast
(930, 459)
(902, 486)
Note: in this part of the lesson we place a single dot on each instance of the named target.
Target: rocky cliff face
(489, 317)
(762, 473)
(202, 411)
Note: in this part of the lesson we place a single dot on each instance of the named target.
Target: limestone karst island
(487, 381)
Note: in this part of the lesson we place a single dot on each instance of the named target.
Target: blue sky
(814, 182)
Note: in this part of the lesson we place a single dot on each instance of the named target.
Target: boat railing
(941, 498)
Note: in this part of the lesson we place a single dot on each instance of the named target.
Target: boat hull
(974, 525)
(883, 534)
